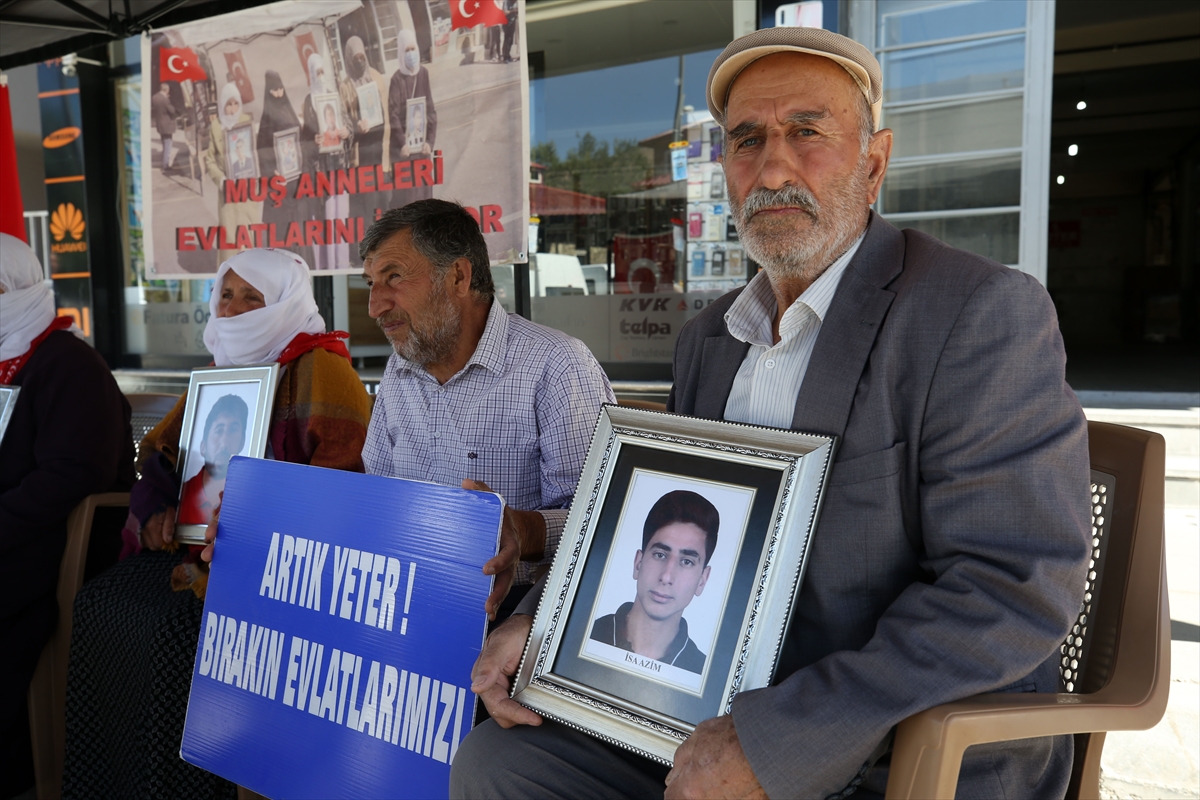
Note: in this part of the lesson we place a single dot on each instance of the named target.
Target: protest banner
(342, 618)
(295, 124)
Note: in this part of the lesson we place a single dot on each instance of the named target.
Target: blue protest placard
(342, 618)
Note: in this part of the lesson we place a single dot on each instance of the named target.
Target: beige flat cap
(745, 50)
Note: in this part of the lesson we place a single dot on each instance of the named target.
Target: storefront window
(954, 90)
(164, 319)
(627, 248)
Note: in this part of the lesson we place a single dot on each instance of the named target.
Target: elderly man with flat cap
(953, 540)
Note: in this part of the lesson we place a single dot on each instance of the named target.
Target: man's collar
(490, 352)
(751, 315)
(493, 344)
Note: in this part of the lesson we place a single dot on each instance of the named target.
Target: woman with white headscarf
(262, 310)
(408, 92)
(68, 437)
(229, 215)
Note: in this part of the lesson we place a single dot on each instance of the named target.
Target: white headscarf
(405, 39)
(259, 336)
(229, 92)
(317, 83)
(27, 305)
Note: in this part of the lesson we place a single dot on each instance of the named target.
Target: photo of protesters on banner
(392, 100)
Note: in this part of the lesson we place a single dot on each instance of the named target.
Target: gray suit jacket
(950, 554)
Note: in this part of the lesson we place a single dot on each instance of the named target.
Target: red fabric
(12, 211)
(195, 506)
(10, 368)
(179, 64)
(305, 342)
(469, 13)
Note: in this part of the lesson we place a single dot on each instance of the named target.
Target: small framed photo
(328, 108)
(8, 401)
(414, 124)
(370, 104)
(675, 577)
(228, 413)
(287, 152)
(241, 159)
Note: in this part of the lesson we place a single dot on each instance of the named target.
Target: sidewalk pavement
(1163, 761)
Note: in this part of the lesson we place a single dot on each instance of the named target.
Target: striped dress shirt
(518, 417)
(768, 381)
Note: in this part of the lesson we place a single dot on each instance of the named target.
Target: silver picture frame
(768, 486)
(210, 422)
(8, 401)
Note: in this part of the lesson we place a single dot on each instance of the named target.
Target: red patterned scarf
(305, 342)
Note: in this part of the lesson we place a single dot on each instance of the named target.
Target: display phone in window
(718, 263)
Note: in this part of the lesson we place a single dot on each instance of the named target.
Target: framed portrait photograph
(328, 108)
(287, 152)
(227, 414)
(675, 577)
(8, 401)
(414, 124)
(241, 158)
(370, 104)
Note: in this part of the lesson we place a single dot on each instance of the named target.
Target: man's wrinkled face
(224, 440)
(798, 175)
(670, 571)
(411, 303)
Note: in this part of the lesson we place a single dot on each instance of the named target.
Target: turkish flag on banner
(306, 45)
(12, 211)
(179, 64)
(237, 68)
(469, 13)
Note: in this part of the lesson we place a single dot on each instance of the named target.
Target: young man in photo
(224, 437)
(678, 540)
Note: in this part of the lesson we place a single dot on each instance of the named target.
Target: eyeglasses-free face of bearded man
(802, 167)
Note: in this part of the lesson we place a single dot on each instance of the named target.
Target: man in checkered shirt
(474, 395)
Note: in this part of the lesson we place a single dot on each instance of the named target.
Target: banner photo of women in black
(338, 111)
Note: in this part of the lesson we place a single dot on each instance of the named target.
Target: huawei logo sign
(66, 219)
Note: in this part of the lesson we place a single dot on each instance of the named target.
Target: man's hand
(522, 536)
(491, 677)
(210, 533)
(159, 530)
(711, 764)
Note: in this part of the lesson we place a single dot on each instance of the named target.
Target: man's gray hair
(442, 232)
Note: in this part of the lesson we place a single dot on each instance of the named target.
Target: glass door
(967, 92)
